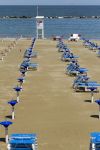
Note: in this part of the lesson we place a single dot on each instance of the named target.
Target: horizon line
(49, 5)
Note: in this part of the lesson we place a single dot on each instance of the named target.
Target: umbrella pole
(23, 74)
(99, 111)
(92, 97)
(13, 114)
(21, 83)
(6, 135)
(17, 96)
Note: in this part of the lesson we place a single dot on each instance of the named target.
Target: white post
(92, 97)
(23, 74)
(13, 114)
(6, 134)
(17, 96)
(21, 83)
(2, 58)
(99, 111)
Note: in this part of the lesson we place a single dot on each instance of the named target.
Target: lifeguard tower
(40, 27)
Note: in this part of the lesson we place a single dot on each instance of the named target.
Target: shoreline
(50, 38)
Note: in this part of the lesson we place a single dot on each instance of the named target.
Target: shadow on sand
(87, 101)
(9, 117)
(2, 140)
(95, 116)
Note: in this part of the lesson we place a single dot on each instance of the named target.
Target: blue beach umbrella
(17, 89)
(92, 89)
(23, 72)
(98, 102)
(21, 81)
(13, 103)
(6, 124)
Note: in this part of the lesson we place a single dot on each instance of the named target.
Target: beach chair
(98, 54)
(74, 37)
(28, 66)
(22, 142)
(90, 45)
(72, 68)
(76, 71)
(32, 66)
(62, 48)
(95, 141)
(33, 42)
(82, 78)
(93, 46)
(86, 87)
(67, 56)
(29, 53)
(24, 65)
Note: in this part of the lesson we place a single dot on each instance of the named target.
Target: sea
(59, 21)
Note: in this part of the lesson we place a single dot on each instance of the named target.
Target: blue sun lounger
(22, 142)
(74, 69)
(67, 56)
(29, 53)
(80, 79)
(95, 141)
(90, 45)
(78, 71)
(98, 54)
(63, 48)
(86, 86)
(28, 65)
(33, 66)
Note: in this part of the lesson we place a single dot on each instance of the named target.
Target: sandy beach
(48, 106)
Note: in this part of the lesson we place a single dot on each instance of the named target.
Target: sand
(49, 107)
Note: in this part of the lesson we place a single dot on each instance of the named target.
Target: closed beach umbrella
(98, 102)
(6, 124)
(13, 103)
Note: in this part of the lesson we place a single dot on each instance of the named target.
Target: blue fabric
(6, 123)
(22, 139)
(98, 101)
(13, 102)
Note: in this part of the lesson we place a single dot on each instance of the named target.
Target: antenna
(37, 10)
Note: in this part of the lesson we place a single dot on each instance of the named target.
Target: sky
(50, 2)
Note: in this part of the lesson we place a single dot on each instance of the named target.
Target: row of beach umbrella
(23, 70)
(82, 82)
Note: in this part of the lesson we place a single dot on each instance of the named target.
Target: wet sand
(49, 107)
